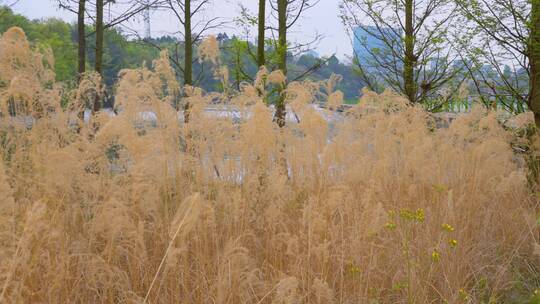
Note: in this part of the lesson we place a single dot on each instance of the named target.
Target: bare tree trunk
(82, 37)
(282, 39)
(82, 47)
(99, 36)
(188, 45)
(534, 87)
(282, 55)
(188, 54)
(534, 61)
(261, 37)
(99, 48)
(237, 71)
(410, 59)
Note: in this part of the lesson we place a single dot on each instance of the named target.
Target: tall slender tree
(99, 36)
(186, 11)
(193, 27)
(534, 59)
(99, 48)
(86, 8)
(288, 13)
(78, 7)
(507, 36)
(81, 33)
(188, 44)
(410, 57)
(281, 111)
(282, 7)
(405, 45)
(188, 54)
(261, 25)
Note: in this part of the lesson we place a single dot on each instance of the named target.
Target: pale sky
(322, 19)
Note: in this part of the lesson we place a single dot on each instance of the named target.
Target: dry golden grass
(120, 210)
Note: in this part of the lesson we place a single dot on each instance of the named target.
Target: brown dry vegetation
(119, 210)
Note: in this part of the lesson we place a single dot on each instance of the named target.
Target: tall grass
(381, 207)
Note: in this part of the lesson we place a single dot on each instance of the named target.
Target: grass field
(390, 210)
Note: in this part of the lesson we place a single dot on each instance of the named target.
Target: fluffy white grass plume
(209, 49)
(377, 207)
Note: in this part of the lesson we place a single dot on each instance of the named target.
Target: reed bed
(380, 207)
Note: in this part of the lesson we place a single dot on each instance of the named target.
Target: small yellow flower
(463, 295)
(390, 225)
(420, 215)
(435, 256)
(406, 214)
(409, 215)
(452, 243)
(354, 270)
(447, 227)
(440, 188)
(400, 286)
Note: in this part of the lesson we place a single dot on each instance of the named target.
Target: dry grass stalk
(378, 207)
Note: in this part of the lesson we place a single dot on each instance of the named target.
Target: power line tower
(146, 18)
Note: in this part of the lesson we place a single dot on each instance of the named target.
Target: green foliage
(120, 53)
(62, 38)
(53, 33)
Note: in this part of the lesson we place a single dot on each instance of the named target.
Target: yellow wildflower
(447, 227)
(435, 256)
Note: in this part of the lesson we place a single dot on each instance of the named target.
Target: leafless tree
(507, 34)
(404, 44)
(261, 31)
(194, 25)
(119, 12)
(82, 8)
(7, 4)
(287, 13)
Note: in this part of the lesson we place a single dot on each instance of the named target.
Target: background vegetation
(381, 206)
(121, 52)
(215, 177)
